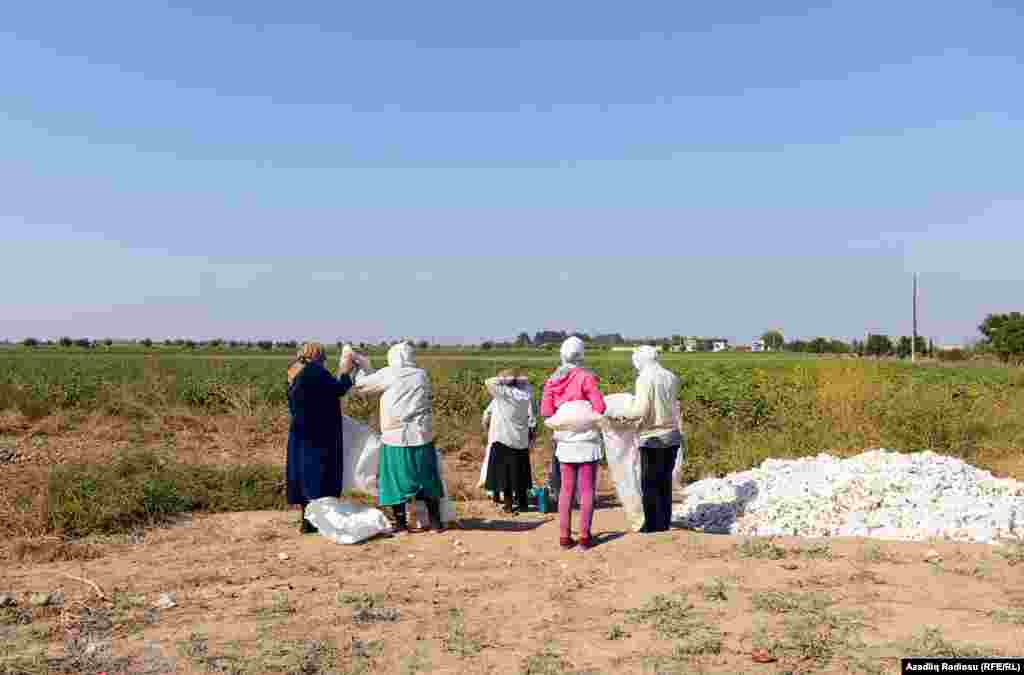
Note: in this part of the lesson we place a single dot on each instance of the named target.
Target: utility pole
(913, 340)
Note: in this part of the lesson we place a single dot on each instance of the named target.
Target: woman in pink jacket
(578, 453)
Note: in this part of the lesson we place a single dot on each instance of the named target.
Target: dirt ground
(498, 596)
(495, 595)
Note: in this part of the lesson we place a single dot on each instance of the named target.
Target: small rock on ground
(165, 601)
(8, 600)
(7, 455)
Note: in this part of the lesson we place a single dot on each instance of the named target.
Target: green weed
(762, 548)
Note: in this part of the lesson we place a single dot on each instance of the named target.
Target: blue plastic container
(540, 495)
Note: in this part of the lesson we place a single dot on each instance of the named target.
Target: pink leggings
(587, 472)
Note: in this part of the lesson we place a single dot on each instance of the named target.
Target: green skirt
(407, 472)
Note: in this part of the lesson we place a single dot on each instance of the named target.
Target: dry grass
(760, 548)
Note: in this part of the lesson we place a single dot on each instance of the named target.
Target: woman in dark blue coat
(314, 437)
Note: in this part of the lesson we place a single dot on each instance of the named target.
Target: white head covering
(402, 355)
(572, 351)
(572, 357)
(644, 356)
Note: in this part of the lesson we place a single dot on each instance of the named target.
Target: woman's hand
(346, 363)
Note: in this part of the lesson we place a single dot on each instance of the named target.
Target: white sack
(616, 405)
(362, 364)
(360, 457)
(574, 416)
(622, 450)
(677, 470)
(345, 523)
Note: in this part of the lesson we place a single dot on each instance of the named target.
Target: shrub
(951, 355)
(143, 487)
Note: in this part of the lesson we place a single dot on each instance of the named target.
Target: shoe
(566, 542)
(585, 544)
(306, 527)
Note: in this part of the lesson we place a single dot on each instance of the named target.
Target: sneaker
(307, 527)
(585, 544)
(566, 542)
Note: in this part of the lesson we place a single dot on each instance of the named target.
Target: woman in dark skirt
(510, 435)
(314, 437)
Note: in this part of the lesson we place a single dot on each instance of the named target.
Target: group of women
(408, 461)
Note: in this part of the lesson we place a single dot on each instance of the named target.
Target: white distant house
(719, 345)
(758, 345)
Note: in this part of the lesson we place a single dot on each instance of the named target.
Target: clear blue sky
(468, 170)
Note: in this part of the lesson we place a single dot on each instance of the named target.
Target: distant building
(719, 345)
(759, 346)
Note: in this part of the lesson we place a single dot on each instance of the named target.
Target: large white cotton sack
(622, 449)
(574, 416)
(616, 405)
(677, 470)
(360, 457)
(345, 523)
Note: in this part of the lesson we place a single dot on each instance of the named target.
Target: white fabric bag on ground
(345, 523)
(574, 416)
(360, 457)
(622, 450)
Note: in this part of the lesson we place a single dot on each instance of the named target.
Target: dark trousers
(433, 509)
(656, 466)
(556, 471)
(517, 479)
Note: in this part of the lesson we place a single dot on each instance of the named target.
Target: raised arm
(495, 386)
(642, 400)
(486, 419)
(377, 383)
(344, 383)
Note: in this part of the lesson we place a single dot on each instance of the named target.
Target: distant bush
(146, 342)
(143, 487)
(951, 355)
(30, 342)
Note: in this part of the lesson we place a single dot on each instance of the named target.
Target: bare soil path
(252, 595)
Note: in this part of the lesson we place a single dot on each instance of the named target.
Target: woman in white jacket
(408, 460)
(657, 391)
(510, 424)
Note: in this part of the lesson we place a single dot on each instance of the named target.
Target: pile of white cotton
(878, 494)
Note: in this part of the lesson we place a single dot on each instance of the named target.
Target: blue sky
(464, 171)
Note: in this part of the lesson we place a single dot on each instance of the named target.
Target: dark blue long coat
(314, 437)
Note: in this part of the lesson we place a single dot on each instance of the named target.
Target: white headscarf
(402, 355)
(644, 356)
(572, 356)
